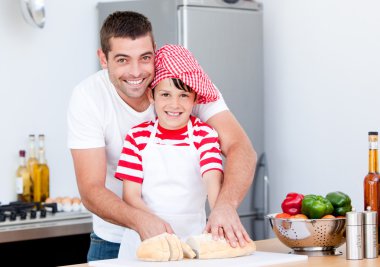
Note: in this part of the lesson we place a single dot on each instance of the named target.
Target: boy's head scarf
(175, 61)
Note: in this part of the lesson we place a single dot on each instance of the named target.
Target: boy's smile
(173, 106)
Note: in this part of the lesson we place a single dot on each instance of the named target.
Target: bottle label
(373, 145)
(19, 185)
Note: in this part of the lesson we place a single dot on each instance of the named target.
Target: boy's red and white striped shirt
(205, 140)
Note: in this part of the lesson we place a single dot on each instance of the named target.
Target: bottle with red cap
(372, 179)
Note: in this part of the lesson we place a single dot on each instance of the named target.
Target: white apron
(172, 188)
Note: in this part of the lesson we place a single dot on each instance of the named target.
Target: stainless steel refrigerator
(226, 38)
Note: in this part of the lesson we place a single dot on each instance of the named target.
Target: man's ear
(102, 58)
(150, 95)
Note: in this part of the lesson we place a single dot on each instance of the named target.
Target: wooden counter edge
(274, 245)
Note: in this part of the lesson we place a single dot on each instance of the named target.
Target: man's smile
(134, 82)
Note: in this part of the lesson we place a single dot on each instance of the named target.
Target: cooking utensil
(312, 237)
(33, 12)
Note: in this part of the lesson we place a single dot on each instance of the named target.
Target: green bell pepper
(315, 206)
(340, 201)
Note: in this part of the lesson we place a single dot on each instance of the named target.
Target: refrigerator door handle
(264, 164)
(266, 204)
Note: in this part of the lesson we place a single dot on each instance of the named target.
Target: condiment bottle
(354, 235)
(372, 179)
(370, 234)
(32, 163)
(41, 174)
(23, 183)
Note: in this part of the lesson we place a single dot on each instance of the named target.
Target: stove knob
(13, 216)
(33, 214)
(22, 215)
(43, 213)
(54, 207)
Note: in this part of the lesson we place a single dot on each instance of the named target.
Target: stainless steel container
(354, 235)
(312, 237)
(370, 234)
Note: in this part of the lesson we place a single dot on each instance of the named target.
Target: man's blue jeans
(101, 249)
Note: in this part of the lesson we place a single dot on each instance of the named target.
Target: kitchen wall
(39, 68)
(321, 86)
(322, 91)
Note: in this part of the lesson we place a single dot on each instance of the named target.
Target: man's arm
(90, 169)
(238, 176)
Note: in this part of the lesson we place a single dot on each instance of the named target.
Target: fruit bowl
(312, 237)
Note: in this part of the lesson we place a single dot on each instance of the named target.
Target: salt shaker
(370, 234)
(354, 235)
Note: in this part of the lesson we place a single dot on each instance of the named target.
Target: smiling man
(106, 105)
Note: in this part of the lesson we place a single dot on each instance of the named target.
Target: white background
(322, 89)
(39, 68)
(321, 65)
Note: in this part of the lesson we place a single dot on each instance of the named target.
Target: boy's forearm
(138, 203)
(213, 181)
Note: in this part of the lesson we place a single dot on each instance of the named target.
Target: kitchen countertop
(61, 224)
(274, 245)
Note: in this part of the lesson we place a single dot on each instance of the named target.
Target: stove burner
(21, 210)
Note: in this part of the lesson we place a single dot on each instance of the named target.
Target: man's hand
(150, 225)
(224, 222)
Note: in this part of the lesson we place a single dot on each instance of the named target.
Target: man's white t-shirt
(98, 117)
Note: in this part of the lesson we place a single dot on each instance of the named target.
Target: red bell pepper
(292, 204)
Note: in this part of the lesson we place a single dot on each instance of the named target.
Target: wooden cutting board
(257, 259)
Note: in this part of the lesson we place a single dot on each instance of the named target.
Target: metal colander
(313, 237)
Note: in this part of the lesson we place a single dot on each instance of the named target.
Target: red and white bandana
(175, 61)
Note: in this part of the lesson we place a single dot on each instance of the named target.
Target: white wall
(39, 68)
(322, 62)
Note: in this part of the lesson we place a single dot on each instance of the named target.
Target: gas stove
(23, 211)
(25, 221)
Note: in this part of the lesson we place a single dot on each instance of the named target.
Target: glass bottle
(23, 183)
(42, 174)
(32, 163)
(372, 179)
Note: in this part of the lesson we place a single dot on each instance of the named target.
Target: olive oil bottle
(372, 179)
(32, 163)
(41, 174)
(23, 182)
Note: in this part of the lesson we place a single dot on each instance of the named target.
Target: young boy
(169, 166)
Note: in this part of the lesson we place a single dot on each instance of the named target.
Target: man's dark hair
(124, 24)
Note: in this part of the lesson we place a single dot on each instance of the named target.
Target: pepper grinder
(354, 235)
(370, 234)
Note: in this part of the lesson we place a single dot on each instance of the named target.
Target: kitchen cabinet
(57, 239)
(46, 252)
